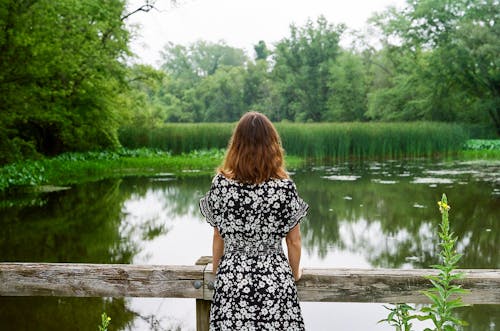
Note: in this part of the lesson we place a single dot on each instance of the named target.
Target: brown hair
(254, 153)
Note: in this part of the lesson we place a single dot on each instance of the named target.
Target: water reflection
(375, 214)
(53, 313)
(77, 225)
(395, 225)
(84, 224)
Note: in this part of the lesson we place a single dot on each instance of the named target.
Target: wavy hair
(254, 153)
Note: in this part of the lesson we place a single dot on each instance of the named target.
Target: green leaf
(433, 297)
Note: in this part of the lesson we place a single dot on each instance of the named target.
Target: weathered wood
(202, 315)
(390, 285)
(337, 285)
(204, 260)
(383, 285)
(203, 306)
(208, 286)
(100, 280)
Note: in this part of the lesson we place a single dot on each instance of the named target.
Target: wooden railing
(321, 285)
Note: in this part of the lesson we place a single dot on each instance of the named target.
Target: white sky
(239, 23)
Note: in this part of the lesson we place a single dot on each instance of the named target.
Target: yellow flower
(109, 319)
(443, 206)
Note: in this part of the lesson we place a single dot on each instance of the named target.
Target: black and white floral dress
(254, 286)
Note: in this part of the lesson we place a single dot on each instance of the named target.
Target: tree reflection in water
(385, 212)
(396, 225)
(80, 225)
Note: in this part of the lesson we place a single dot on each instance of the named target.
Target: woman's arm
(294, 243)
(217, 249)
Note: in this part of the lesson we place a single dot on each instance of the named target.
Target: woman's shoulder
(221, 178)
(217, 179)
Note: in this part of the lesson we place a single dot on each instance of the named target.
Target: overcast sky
(239, 23)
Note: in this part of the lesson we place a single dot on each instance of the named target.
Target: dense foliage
(442, 61)
(437, 61)
(60, 75)
(66, 83)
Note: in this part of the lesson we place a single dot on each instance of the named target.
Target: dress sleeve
(207, 203)
(298, 208)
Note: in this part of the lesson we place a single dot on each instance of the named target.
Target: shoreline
(53, 174)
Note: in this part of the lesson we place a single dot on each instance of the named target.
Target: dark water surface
(361, 215)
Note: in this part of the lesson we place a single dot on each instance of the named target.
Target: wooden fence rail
(320, 285)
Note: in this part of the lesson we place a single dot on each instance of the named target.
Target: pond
(381, 215)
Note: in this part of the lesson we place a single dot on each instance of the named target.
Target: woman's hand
(298, 276)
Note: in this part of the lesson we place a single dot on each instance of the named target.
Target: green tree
(347, 100)
(177, 62)
(149, 99)
(455, 47)
(261, 50)
(222, 95)
(302, 69)
(61, 75)
(259, 90)
(200, 59)
(205, 82)
(399, 90)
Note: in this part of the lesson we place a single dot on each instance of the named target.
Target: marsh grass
(338, 141)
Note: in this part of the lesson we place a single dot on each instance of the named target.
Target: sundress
(254, 285)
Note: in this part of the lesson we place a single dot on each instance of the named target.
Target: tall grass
(178, 138)
(320, 140)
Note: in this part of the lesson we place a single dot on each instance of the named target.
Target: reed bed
(338, 141)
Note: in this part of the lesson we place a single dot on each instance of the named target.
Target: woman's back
(254, 287)
(252, 204)
(258, 213)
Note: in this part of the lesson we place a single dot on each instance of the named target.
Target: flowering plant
(445, 296)
(105, 319)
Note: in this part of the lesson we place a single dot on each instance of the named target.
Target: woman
(252, 204)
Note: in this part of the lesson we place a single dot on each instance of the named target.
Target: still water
(381, 215)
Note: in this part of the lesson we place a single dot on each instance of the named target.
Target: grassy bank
(71, 168)
(338, 141)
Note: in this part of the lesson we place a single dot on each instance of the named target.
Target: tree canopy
(451, 68)
(66, 83)
(61, 75)
(437, 62)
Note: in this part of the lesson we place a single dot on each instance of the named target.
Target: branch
(145, 8)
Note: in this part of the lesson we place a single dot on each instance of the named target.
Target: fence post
(203, 306)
